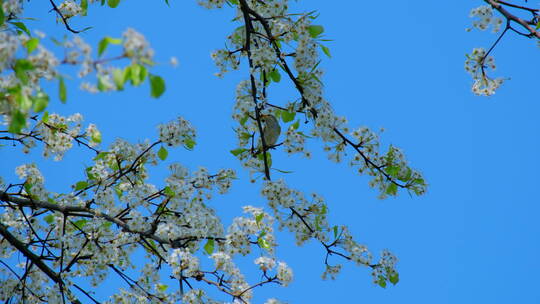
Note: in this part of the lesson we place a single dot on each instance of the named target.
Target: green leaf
(209, 247)
(419, 181)
(260, 156)
(287, 116)
(84, 7)
(101, 84)
(118, 191)
(407, 176)
(31, 45)
(189, 143)
(275, 75)
(263, 243)
(62, 91)
(394, 278)
(336, 232)
(296, 125)
(238, 151)
(243, 120)
(96, 137)
(41, 100)
(157, 86)
(49, 219)
(162, 287)
(136, 73)
(326, 50)
(168, 192)
(392, 171)
(81, 185)
(22, 27)
(45, 117)
(80, 223)
(162, 153)
(259, 218)
(2, 15)
(119, 78)
(392, 189)
(113, 3)
(22, 66)
(245, 135)
(24, 102)
(102, 46)
(18, 122)
(101, 155)
(315, 30)
(381, 282)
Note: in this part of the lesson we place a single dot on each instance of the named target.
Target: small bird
(271, 130)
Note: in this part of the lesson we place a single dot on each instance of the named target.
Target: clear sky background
(473, 238)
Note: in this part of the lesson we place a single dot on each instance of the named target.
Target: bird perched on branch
(271, 130)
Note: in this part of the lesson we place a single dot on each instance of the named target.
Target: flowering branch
(527, 24)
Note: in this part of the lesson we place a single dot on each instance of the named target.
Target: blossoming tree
(93, 230)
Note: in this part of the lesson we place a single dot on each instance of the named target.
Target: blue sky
(473, 238)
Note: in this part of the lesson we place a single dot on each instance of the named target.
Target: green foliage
(18, 122)
(325, 50)
(209, 247)
(287, 116)
(49, 219)
(21, 27)
(162, 153)
(238, 151)
(31, 44)
(157, 86)
(102, 46)
(62, 91)
(2, 15)
(274, 75)
(189, 143)
(263, 243)
(81, 185)
(21, 68)
(315, 30)
(84, 7)
(40, 102)
(113, 3)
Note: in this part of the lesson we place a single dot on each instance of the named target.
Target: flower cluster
(79, 52)
(177, 132)
(476, 64)
(59, 132)
(12, 7)
(211, 3)
(225, 60)
(9, 43)
(260, 224)
(313, 212)
(136, 46)
(284, 273)
(485, 18)
(69, 9)
(183, 264)
(224, 262)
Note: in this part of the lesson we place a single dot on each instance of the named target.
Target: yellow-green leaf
(81, 185)
(162, 153)
(209, 247)
(157, 86)
(62, 91)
